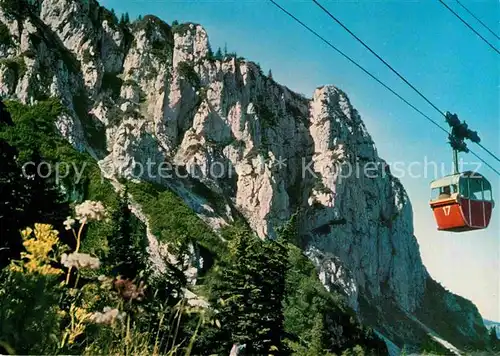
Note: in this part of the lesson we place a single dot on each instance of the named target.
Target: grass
(216, 200)
(171, 220)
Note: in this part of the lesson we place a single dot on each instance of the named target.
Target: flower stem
(79, 237)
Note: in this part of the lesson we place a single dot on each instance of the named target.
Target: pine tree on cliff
(218, 54)
(124, 254)
(249, 292)
(113, 16)
(124, 19)
(210, 52)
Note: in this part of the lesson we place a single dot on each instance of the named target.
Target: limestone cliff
(147, 93)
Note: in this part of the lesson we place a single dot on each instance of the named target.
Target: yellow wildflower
(39, 244)
(79, 316)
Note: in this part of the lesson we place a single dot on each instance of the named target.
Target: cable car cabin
(462, 202)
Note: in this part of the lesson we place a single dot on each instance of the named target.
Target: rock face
(149, 95)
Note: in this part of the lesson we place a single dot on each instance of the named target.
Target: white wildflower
(107, 317)
(79, 260)
(69, 222)
(90, 210)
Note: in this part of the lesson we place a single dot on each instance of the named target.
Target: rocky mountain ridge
(149, 93)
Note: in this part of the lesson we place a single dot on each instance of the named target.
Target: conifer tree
(218, 54)
(125, 255)
(5, 117)
(210, 53)
(124, 19)
(11, 204)
(494, 341)
(249, 292)
(44, 202)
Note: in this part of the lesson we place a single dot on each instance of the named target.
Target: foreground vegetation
(76, 255)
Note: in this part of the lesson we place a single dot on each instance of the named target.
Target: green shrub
(181, 29)
(311, 310)
(15, 9)
(319, 186)
(17, 65)
(187, 71)
(247, 292)
(162, 50)
(87, 57)
(432, 347)
(35, 131)
(34, 329)
(5, 36)
(48, 326)
(150, 22)
(266, 116)
(112, 82)
(171, 220)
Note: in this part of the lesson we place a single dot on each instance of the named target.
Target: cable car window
(464, 188)
(486, 185)
(475, 188)
(487, 195)
(443, 192)
(435, 193)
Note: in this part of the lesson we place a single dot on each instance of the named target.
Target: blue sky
(423, 41)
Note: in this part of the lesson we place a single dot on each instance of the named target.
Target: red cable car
(462, 202)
